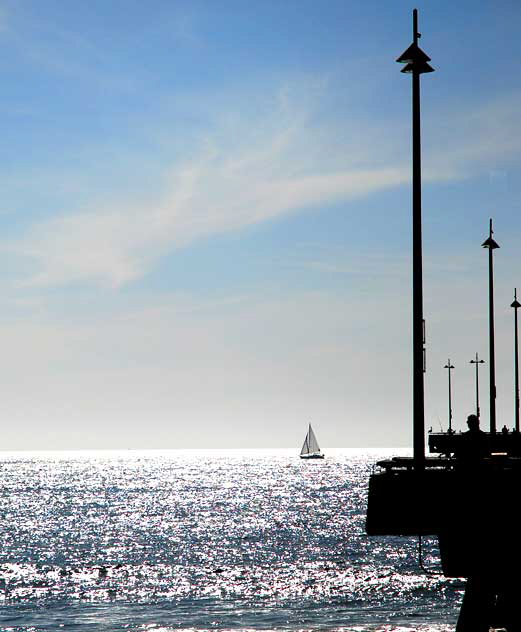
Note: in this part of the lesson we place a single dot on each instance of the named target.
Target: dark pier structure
(467, 495)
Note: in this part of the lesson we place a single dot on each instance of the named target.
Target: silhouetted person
(473, 424)
(504, 430)
(473, 446)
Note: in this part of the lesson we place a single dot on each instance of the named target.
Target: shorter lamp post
(449, 367)
(516, 305)
(477, 362)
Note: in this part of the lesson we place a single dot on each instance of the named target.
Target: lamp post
(491, 245)
(477, 362)
(415, 61)
(449, 367)
(516, 305)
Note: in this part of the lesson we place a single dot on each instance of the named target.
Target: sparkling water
(207, 540)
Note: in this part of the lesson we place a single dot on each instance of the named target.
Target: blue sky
(205, 219)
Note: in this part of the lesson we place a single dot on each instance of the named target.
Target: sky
(205, 219)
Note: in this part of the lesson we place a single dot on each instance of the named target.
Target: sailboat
(311, 449)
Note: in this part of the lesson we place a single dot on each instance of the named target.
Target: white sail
(310, 444)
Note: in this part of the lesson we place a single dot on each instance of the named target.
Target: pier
(471, 506)
(465, 492)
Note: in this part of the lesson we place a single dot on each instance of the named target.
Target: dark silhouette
(516, 305)
(477, 362)
(473, 424)
(449, 367)
(416, 64)
(491, 245)
(474, 446)
(468, 502)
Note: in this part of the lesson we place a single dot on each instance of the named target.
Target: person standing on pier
(473, 424)
(474, 445)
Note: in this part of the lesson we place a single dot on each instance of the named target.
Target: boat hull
(311, 456)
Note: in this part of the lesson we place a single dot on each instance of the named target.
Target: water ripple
(188, 541)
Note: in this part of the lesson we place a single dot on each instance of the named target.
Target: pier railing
(464, 443)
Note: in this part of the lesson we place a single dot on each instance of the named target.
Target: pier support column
(477, 606)
(490, 602)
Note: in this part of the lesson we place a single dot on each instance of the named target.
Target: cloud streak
(226, 187)
(273, 166)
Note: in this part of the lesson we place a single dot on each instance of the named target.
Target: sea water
(207, 540)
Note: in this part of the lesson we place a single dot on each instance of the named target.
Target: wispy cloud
(4, 18)
(227, 186)
(474, 138)
(259, 168)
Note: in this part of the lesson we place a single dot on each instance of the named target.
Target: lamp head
(414, 58)
(413, 54)
(419, 67)
(490, 243)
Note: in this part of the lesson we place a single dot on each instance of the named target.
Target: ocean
(207, 540)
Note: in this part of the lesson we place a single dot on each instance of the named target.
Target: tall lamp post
(416, 63)
(516, 305)
(491, 245)
(477, 362)
(449, 367)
